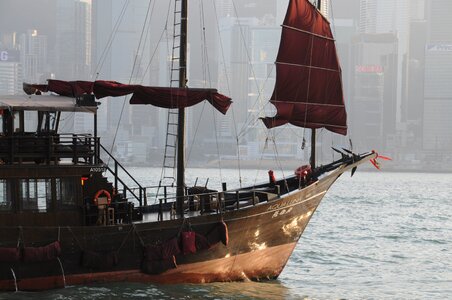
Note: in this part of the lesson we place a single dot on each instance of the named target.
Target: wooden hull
(261, 240)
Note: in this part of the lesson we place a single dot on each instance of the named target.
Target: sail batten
(306, 66)
(308, 90)
(309, 33)
(307, 103)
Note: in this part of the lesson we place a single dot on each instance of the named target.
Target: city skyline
(395, 59)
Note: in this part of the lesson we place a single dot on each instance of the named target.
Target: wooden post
(313, 138)
(165, 194)
(180, 191)
(116, 175)
(160, 217)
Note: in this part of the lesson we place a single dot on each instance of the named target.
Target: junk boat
(63, 222)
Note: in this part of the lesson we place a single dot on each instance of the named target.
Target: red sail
(308, 90)
(158, 96)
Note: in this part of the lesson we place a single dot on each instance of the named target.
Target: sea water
(377, 235)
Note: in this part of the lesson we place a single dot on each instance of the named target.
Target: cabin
(52, 178)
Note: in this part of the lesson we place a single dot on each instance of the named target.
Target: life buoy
(102, 192)
(303, 171)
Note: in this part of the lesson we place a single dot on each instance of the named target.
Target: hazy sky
(21, 15)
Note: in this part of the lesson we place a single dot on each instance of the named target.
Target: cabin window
(17, 121)
(66, 192)
(1, 121)
(31, 121)
(35, 194)
(47, 121)
(5, 195)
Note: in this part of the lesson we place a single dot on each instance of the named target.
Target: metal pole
(180, 192)
(313, 134)
(96, 142)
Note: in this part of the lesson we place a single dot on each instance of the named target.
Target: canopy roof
(43, 103)
(158, 96)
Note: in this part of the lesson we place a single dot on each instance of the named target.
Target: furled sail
(157, 96)
(308, 90)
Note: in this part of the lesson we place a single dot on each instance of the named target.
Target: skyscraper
(438, 77)
(373, 106)
(10, 72)
(33, 55)
(325, 8)
(73, 39)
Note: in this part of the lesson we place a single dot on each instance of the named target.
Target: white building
(33, 56)
(10, 72)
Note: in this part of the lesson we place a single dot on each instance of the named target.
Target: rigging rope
(249, 122)
(130, 79)
(145, 41)
(205, 56)
(140, 41)
(207, 66)
(111, 38)
(204, 59)
(261, 159)
(276, 157)
(206, 78)
(229, 92)
(248, 56)
(333, 26)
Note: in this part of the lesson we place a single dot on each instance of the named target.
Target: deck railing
(48, 148)
(214, 201)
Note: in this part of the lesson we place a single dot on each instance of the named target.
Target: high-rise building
(368, 16)
(33, 56)
(437, 136)
(372, 112)
(413, 105)
(438, 97)
(73, 47)
(325, 8)
(388, 16)
(383, 16)
(417, 9)
(438, 14)
(10, 72)
(73, 39)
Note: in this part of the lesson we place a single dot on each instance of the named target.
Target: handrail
(126, 187)
(119, 164)
(220, 201)
(222, 192)
(142, 190)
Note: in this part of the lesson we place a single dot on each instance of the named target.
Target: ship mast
(180, 192)
(313, 132)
